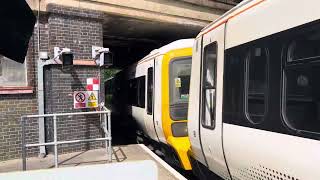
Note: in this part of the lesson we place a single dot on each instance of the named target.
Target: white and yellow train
(156, 90)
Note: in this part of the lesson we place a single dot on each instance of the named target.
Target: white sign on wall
(85, 99)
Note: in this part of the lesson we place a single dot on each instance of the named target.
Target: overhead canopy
(17, 22)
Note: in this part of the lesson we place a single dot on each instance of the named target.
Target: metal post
(23, 143)
(105, 131)
(109, 135)
(55, 141)
(42, 150)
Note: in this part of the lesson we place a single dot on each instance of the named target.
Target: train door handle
(194, 134)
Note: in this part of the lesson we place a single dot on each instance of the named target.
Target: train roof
(225, 16)
(255, 19)
(179, 44)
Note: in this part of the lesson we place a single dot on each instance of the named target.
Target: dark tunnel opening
(130, 40)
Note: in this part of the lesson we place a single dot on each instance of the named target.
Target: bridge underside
(132, 28)
(131, 39)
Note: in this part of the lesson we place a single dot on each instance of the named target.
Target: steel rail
(107, 131)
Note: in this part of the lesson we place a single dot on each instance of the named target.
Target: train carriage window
(179, 82)
(302, 83)
(303, 49)
(209, 85)
(150, 91)
(256, 84)
(137, 92)
(141, 91)
(133, 89)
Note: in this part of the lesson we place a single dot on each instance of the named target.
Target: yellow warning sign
(92, 104)
(92, 97)
(177, 82)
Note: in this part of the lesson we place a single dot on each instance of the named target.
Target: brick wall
(59, 97)
(78, 30)
(11, 109)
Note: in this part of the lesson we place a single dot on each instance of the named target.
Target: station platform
(122, 154)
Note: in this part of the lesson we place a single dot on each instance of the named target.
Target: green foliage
(108, 101)
(110, 72)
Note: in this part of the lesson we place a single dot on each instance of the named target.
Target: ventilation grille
(224, 175)
(261, 173)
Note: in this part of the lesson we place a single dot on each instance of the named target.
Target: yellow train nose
(181, 145)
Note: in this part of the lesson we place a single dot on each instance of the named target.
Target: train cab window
(302, 83)
(256, 84)
(179, 82)
(209, 85)
(150, 90)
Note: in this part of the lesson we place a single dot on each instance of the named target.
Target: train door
(194, 104)
(149, 113)
(157, 105)
(211, 101)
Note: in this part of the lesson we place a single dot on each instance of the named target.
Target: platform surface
(142, 170)
(127, 153)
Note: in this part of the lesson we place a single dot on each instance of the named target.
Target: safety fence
(105, 121)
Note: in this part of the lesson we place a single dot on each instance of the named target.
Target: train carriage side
(258, 110)
(138, 80)
(158, 98)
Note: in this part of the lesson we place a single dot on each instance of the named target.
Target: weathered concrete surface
(170, 11)
(127, 153)
(218, 4)
(142, 170)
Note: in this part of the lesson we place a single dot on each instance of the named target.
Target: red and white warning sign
(92, 84)
(85, 99)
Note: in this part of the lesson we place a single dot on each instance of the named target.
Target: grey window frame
(247, 80)
(170, 81)
(203, 88)
(288, 64)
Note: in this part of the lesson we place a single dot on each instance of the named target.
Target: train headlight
(179, 129)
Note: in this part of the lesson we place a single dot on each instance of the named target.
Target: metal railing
(105, 118)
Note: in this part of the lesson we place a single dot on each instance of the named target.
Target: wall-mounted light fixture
(102, 56)
(65, 55)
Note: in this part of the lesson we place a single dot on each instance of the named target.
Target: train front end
(176, 71)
